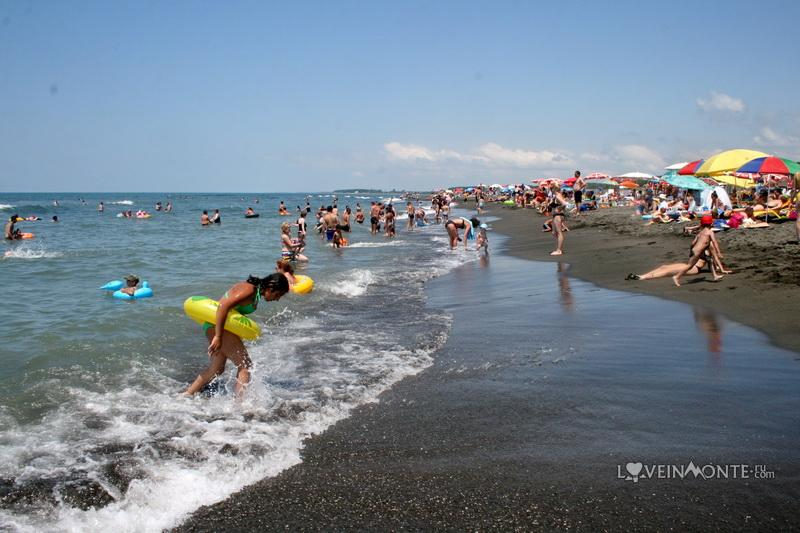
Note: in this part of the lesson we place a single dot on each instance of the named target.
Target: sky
(311, 96)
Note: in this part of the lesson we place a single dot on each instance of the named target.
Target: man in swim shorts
(374, 217)
(329, 223)
(578, 187)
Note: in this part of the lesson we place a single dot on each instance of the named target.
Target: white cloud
(523, 158)
(770, 137)
(636, 156)
(488, 154)
(721, 102)
(399, 151)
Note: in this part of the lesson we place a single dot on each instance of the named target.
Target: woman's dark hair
(475, 222)
(275, 282)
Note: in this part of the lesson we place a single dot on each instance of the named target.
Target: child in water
(482, 240)
(285, 267)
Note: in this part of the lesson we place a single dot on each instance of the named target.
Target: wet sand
(607, 244)
(546, 386)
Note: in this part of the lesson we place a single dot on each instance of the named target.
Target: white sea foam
(310, 370)
(352, 283)
(122, 202)
(194, 452)
(371, 244)
(30, 253)
(6, 206)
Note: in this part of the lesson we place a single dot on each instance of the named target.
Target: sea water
(93, 433)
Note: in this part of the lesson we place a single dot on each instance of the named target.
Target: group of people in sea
(331, 225)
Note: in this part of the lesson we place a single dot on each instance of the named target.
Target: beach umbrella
(770, 165)
(597, 176)
(687, 182)
(629, 184)
(689, 168)
(607, 183)
(727, 161)
(636, 176)
(676, 166)
(735, 181)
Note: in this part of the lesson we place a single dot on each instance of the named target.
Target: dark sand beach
(547, 387)
(607, 244)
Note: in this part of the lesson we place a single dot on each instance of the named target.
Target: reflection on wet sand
(709, 324)
(564, 288)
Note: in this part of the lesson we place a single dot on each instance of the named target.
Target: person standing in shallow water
(224, 345)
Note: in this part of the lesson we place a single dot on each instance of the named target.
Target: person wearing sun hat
(131, 284)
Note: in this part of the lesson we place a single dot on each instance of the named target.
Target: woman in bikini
(454, 224)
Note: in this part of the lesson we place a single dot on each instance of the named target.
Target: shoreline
(763, 292)
(503, 433)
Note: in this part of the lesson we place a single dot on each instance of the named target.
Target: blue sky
(296, 96)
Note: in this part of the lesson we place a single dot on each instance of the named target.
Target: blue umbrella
(687, 182)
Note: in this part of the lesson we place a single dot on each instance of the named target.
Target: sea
(93, 433)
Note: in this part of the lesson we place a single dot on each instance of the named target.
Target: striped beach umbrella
(770, 165)
(689, 168)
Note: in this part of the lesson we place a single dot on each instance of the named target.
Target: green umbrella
(686, 182)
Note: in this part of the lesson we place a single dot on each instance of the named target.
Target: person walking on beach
(224, 345)
(559, 226)
(578, 187)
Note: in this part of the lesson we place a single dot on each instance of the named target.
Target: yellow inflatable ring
(302, 284)
(203, 309)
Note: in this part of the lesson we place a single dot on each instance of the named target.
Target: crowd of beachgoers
(704, 212)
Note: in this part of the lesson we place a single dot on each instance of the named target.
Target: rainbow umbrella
(770, 165)
(690, 168)
(727, 161)
(597, 176)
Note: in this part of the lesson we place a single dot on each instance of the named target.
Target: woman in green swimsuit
(224, 345)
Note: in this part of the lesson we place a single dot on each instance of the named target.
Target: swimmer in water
(204, 220)
(224, 345)
(10, 232)
(216, 219)
(285, 267)
(359, 214)
(290, 250)
(131, 284)
(282, 209)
